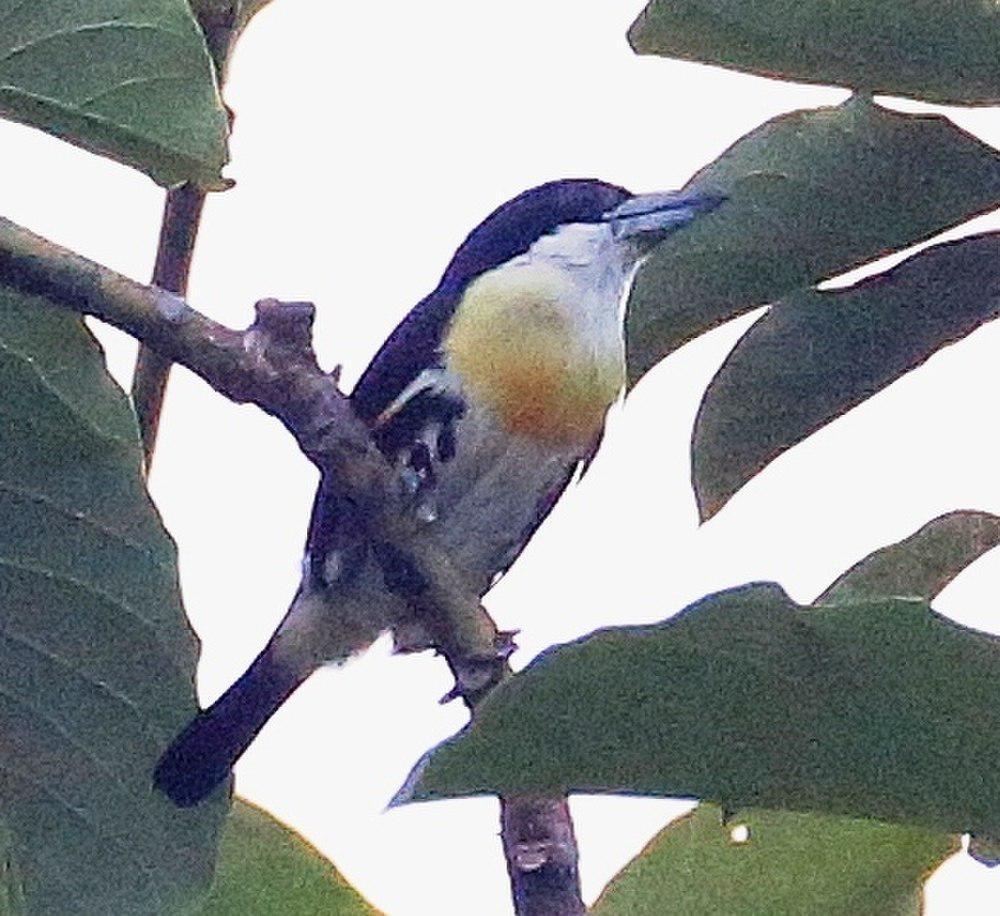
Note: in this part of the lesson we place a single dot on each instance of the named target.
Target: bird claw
(505, 645)
(454, 694)
(470, 680)
(474, 674)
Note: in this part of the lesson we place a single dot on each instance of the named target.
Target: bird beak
(650, 217)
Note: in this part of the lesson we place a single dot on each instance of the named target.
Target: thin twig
(272, 364)
(178, 231)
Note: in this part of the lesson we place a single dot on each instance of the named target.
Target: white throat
(600, 271)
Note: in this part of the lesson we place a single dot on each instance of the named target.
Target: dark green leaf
(791, 865)
(96, 660)
(749, 700)
(796, 863)
(940, 51)
(129, 79)
(265, 869)
(815, 355)
(811, 195)
(12, 902)
(921, 565)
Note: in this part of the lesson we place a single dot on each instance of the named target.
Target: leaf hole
(740, 834)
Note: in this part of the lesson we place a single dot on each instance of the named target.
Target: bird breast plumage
(525, 343)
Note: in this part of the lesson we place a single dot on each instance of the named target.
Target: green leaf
(942, 52)
(747, 699)
(921, 565)
(96, 659)
(11, 881)
(791, 865)
(815, 355)
(129, 79)
(811, 195)
(264, 868)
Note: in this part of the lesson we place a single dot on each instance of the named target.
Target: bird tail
(202, 756)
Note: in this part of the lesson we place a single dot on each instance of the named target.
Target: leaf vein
(177, 157)
(148, 625)
(84, 519)
(134, 81)
(12, 635)
(79, 814)
(37, 40)
(57, 395)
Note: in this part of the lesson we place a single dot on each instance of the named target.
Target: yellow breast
(519, 351)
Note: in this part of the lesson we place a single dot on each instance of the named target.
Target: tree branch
(542, 860)
(178, 231)
(272, 364)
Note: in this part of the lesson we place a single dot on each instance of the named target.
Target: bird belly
(493, 494)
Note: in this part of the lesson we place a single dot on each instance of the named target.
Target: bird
(487, 399)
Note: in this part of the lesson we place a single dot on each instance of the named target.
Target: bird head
(571, 209)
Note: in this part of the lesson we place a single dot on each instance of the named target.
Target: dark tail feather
(202, 756)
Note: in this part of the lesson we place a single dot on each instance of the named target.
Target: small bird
(488, 398)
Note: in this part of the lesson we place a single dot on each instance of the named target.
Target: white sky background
(368, 141)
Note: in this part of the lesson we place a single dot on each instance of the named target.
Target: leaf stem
(221, 22)
(178, 231)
